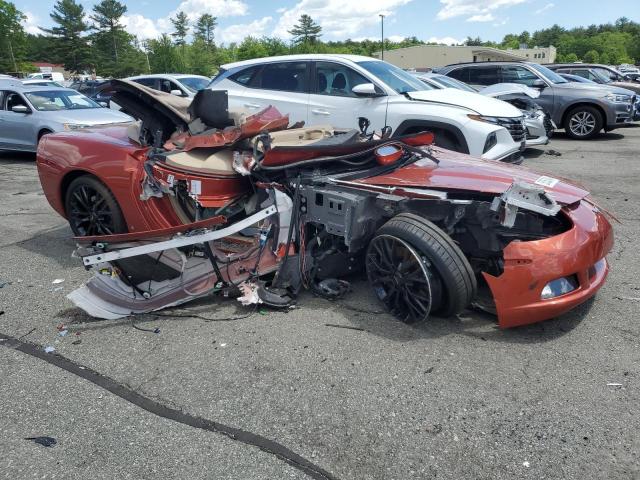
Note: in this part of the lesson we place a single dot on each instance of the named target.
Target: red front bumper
(529, 266)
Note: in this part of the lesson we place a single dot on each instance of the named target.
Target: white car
(176, 84)
(339, 89)
(539, 126)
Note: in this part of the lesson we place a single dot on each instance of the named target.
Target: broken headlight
(559, 286)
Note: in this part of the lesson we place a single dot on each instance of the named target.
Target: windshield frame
(409, 80)
(65, 93)
(547, 73)
(205, 81)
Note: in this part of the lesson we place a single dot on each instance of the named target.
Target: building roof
(473, 49)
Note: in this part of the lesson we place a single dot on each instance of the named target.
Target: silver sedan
(29, 112)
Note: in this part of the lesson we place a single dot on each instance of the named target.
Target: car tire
(92, 209)
(583, 122)
(418, 247)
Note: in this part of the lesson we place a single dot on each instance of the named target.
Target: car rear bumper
(530, 266)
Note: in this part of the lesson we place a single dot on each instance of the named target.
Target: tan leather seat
(204, 160)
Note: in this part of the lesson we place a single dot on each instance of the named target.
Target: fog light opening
(560, 286)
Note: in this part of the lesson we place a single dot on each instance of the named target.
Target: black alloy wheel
(92, 209)
(399, 277)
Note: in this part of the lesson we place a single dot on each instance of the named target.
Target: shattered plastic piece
(249, 294)
(49, 349)
(63, 333)
(57, 281)
(526, 464)
(44, 441)
(4, 284)
(614, 384)
(223, 344)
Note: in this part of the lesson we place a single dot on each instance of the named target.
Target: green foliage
(306, 31)
(70, 29)
(591, 56)
(204, 29)
(181, 26)
(12, 38)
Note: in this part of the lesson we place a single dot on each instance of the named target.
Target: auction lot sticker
(547, 181)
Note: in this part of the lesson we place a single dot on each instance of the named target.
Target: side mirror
(177, 93)
(20, 109)
(366, 90)
(539, 84)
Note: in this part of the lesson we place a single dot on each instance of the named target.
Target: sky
(444, 21)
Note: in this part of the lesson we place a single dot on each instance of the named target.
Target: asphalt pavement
(282, 395)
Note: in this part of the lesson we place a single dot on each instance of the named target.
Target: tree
(162, 55)
(181, 26)
(70, 32)
(107, 15)
(204, 29)
(591, 56)
(11, 36)
(306, 30)
(571, 58)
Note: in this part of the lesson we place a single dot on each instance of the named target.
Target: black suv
(582, 109)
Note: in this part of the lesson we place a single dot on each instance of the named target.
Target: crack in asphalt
(151, 406)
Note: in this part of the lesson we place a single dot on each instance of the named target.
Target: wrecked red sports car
(194, 199)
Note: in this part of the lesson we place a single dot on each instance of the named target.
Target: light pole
(382, 34)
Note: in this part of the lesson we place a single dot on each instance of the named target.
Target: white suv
(338, 89)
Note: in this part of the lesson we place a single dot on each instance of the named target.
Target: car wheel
(416, 269)
(583, 123)
(92, 209)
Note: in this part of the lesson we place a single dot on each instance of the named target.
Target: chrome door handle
(252, 105)
(320, 112)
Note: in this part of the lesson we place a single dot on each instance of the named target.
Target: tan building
(423, 57)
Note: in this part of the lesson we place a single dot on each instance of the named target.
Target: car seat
(339, 84)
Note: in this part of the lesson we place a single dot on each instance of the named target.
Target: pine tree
(204, 29)
(306, 30)
(11, 35)
(71, 45)
(107, 15)
(181, 25)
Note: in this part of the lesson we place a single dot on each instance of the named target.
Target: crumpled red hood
(461, 172)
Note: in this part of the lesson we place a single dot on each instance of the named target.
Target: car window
(168, 85)
(486, 75)
(335, 79)
(285, 76)
(396, 78)
(550, 75)
(461, 74)
(518, 74)
(194, 84)
(606, 75)
(147, 82)
(245, 76)
(13, 99)
(60, 100)
(453, 83)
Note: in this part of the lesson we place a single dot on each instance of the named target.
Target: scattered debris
(1, 312)
(249, 294)
(614, 384)
(429, 370)
(44, 441)
(4, 284)
(57, 281)
(555, 153)
(60, 327)
(348, 327)
(526, 464)
(63, 333)
(635, 299)
(77, 342)
(56, 289)
(49, 349)
(223, 344)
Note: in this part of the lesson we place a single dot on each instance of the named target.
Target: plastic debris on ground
(44, 441)
(614, 384)
(49, 349)
(57, 281)
(63, 333)
(249, 294)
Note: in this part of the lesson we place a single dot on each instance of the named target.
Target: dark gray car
(602, 74)
(583, 110)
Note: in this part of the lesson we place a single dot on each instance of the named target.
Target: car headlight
(560, 286)
(618, 98)
(483, 118)
(74, 126)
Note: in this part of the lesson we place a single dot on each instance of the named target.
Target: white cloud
(487, 17)
(445, 41)
(30, 24)
(545, 8)
(457, 8)
(501, 22)
(235, 33)
(338, 19)
(140, 26)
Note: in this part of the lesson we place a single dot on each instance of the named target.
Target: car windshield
(453, 83)
(396, 78)
(550, 75)
(195, 84)
(53, 100)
